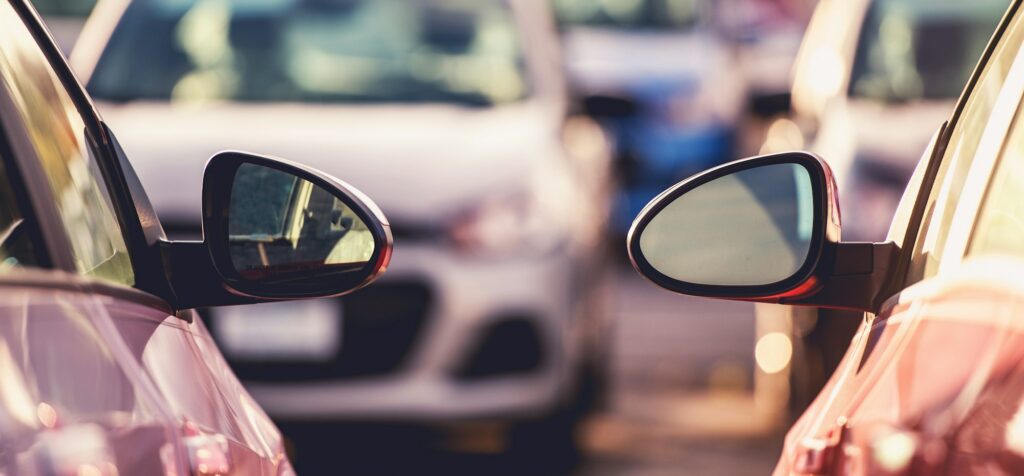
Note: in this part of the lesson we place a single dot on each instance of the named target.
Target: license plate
(308, 330)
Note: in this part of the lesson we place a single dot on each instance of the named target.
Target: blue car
(665, 83)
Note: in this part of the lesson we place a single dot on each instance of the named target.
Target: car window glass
(963, 144)
(632, 15)
(56, 132)
(1000, 224)
(460, 52)
(921, 50)
(16, 248)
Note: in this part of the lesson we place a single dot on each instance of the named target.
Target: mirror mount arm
(194, 279)
(855, 279)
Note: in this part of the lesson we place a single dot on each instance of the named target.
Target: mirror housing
(220, 269)
(832, 274)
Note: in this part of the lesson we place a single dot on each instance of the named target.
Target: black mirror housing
(271, 231)
(833, 274)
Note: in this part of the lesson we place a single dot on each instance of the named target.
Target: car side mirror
(275, 230)
(763, 229)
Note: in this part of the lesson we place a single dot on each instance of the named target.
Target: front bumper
(468, 297)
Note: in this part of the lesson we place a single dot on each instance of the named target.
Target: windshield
(921, 49)
(629, 14)
(452, 51)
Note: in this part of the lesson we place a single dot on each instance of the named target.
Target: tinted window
(453, 51)
(56, 132)
(914, 49)
(629, 14)
(960, 151)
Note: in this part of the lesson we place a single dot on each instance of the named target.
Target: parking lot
(682, 400)
(681, 403)
(368, 237)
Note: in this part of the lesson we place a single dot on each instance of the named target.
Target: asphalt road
(681, 404)
(682, 394)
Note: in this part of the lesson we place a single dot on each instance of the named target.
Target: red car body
(932, 384)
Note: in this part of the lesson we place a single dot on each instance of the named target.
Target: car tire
(548, 444)
(552, 441)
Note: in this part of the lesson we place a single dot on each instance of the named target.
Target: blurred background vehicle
(451, 111)
(766, 36)
(664, 81)
(64, 18)
(870, 83)
(871, 79)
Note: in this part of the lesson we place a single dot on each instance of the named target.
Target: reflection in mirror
(749, 228)
(283, 228)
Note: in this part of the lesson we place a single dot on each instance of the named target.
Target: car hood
(418, 163)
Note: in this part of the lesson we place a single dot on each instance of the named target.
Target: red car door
(915, 371)
(212, 410)
(932, 384)
(72, 396)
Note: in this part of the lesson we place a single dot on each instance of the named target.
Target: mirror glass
(283, 228)
(749, 228)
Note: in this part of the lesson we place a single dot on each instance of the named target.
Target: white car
(452, 114)
(871, 78)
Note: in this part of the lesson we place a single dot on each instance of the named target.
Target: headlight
(505, 225)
